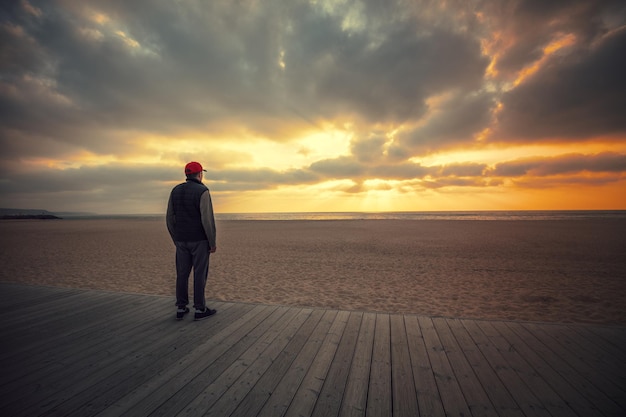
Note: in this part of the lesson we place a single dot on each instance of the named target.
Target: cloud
(390, 81)
(521, 29)
(557, 69)
(455, 182)
(106, 100)
(84, 178)
(344, 167)
(462, 170)
(369, 149)
(259, 179)
(207, 67)
(454, 122)
(577, 96)
(399, 171)
(606, 162)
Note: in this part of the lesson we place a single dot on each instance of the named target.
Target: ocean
(401, 215)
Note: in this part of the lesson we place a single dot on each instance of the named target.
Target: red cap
(193, 168)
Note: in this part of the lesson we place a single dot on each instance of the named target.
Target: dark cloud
(455, 182)
(344, 167)
(527, 26)
(576, 92)
(456, 122)
(85, 178)
(351, 168)
(577, 97)
(391, 81)
(115, 188)
(462, 170)
(606, 162)
(399, 171)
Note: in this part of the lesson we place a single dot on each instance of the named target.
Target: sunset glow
(315, 106)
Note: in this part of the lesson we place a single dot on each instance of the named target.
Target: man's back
(184, 218)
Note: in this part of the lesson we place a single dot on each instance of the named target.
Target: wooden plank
(149, 395)
(547, 397)
(155, 340)
(503, 402)
(532, 350)
(506, 368)
(428, 398)
(32, 318)
(567, 364)
(28, 299)
(608, 340)
(256, 398)
(451, 394)
(103, 388)
(77, 331)
(59, 362)
(541, 344)
(613, 336)
(105, 356)
(22, 294)
(379, 393)
(266, 370)
(355, 397)
(404, 398)
(281, 396)
(224, 395)
(330, 398)
(475, 396)
(111, 389)
(211, 379)
(597, 361)
(309, 390)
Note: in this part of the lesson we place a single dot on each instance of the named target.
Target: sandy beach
(550, 271)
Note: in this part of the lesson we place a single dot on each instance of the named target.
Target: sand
(567, 271)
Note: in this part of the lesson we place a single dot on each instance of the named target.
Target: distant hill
(29, 217)
(6, 213)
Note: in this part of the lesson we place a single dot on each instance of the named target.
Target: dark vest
(185, 200)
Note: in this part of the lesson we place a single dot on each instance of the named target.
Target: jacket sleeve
(170, 218)
(208, 220)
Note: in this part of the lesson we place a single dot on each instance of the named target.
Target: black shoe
(204, 314)
(180, 313)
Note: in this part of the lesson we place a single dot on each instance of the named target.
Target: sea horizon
(391, 215)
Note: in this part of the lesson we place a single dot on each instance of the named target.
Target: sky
(314, 106)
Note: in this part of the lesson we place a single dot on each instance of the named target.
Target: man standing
(191, 225)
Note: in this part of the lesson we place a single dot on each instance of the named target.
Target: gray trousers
(191, 255)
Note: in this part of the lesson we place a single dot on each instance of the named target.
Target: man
(191, 225)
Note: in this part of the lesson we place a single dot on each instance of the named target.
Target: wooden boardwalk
(84, 353)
